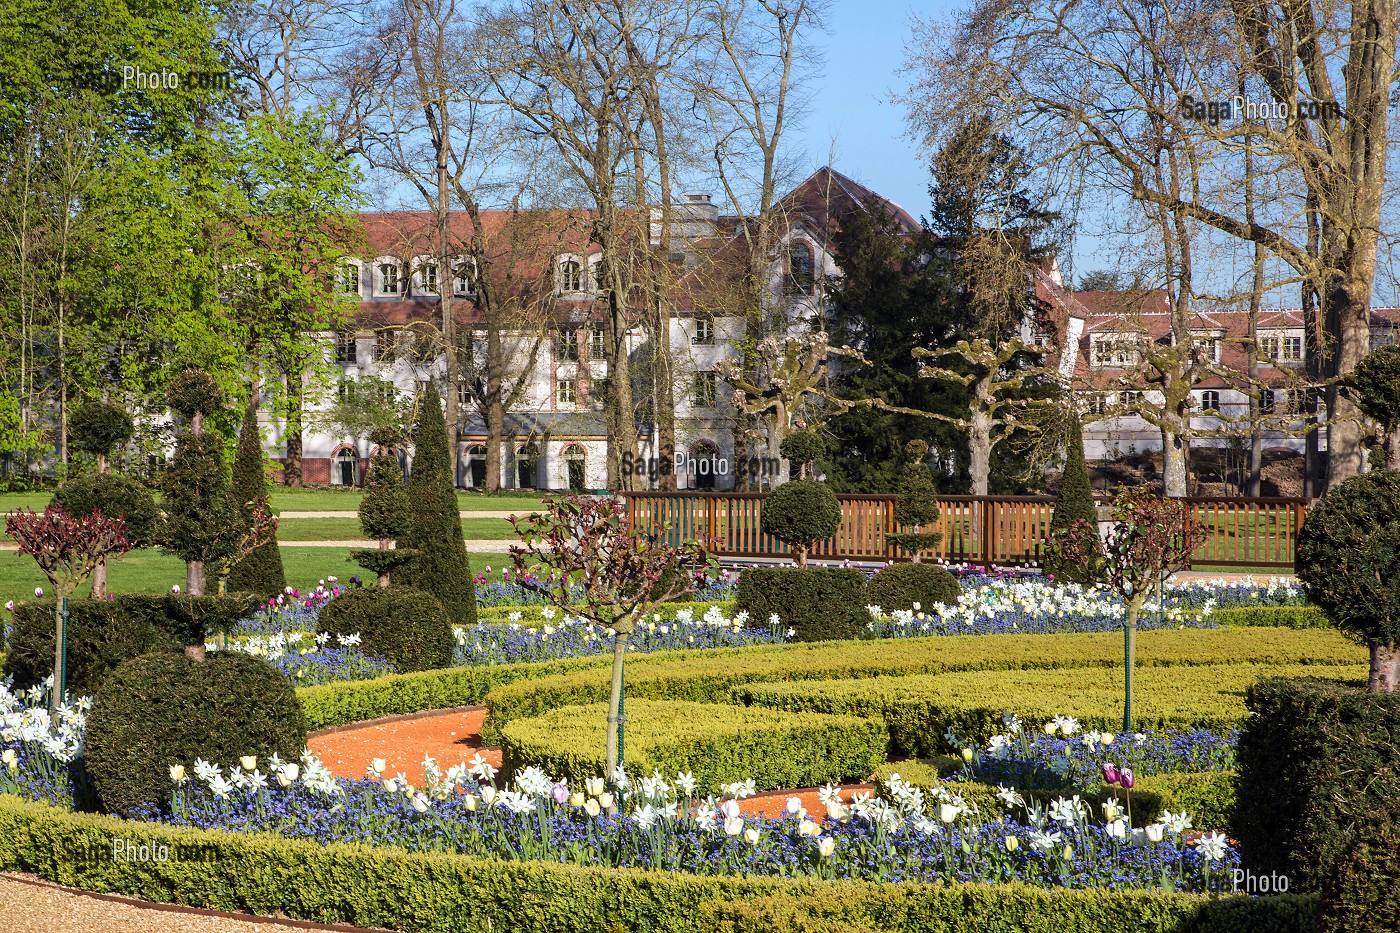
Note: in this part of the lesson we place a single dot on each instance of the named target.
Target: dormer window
(389, 278)
(427, 277)
(800, 278)
(462, 279)
(350, 279)
(570, 276)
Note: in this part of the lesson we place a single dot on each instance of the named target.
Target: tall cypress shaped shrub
(260, 570)
(1074, 502)
(384, 511)
(434, 524)
(195, 489)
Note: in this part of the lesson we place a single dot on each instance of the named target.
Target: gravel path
(31, 905)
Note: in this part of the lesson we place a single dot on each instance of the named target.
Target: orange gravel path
(455, 737)
(450, 738)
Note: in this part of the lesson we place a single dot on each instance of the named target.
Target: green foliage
(717, 744)
(919, 708)
(408, 627)
(1349, 556)
(383, 563)
(711, 675)
(384, 508)
(1275, 616)
(116, 497)
(1075, 501)
(819, 602)
(917, 503)
(1361, 892)
(1377, 382)
(800, 513)
(195, 392)
(434, 526)
(104, 633)
(900, 586)
(800, 448)
(385, 887)
(99, 428)
(1317, 761)
(194, 493)
(163, 709)
(260, 570)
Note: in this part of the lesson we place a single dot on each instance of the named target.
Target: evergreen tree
(917, 504)
(384, 511)
(890, 300)
(1075, 501)
(195, 489)
(434, 523)
(260, 570)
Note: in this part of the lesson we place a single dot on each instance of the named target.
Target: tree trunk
(1130, 660)
(194, 577)
(99, 580)
(1173, 464)
(1385, 667)
(614, 720)
(1392, 448)
(979, 442)
(291, 473)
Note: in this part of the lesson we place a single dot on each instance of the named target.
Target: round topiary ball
(99, 428)
(800, 513)
(801, 447)
(406, 626)
(900, 586)
(193, 392)
(163, 709)
(1349, 556)
(115, 497)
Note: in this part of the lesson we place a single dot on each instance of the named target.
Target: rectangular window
(1266, 400)
(1291, 350)
(800, 277)
(703, 390)
(1131, 399)
(1268, 348)
(464, 394)
(1210, 400)
(427, 277)
(387, 341)
(566, 346)
(462, 280)
(567, 392)
(389, 278)
(1096, 403)
(704, 332)
(345, 349)
(597, 344)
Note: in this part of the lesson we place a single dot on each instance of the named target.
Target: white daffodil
(733, 826)
(1212, 846)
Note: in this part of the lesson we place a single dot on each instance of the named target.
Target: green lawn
(151, 571)
(348, 529)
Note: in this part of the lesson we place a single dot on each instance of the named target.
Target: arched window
(1210, 400)
(704, 464)
(476, 466)
(574, 457)
(526, 461)
(800, 279)
(343, 472)
(570, 276)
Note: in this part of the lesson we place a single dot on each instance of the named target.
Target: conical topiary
(384, 515)
(1075, 501)
(98, 428)
(434, 523)
(259, 571)
(917, 502)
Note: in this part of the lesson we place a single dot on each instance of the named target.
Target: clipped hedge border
(1209, 796)
(380, 887)
(1300, 617)
(919, 709)
(708, 676)
(717, 744)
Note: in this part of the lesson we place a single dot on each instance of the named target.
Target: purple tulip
(1110, 773)
(561, 792)
(1125, 777)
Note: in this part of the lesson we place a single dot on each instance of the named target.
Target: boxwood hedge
(384, 887)
(716, 744)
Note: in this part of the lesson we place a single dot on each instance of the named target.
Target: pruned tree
(1377, 386)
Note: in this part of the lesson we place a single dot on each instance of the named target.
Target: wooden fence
(987, 530)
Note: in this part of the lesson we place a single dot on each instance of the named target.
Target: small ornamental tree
(384, 512)
(119, 497)
(99, 428)
(195, 489)
(1349, 561)
(586, 542)
(259, 570)
(917, 503)
(434, 520)
(1377, 382)
(1152, 536)
(193, 395)
(799, 514)
(1070, 554)
(799, 449)
(66, 549)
